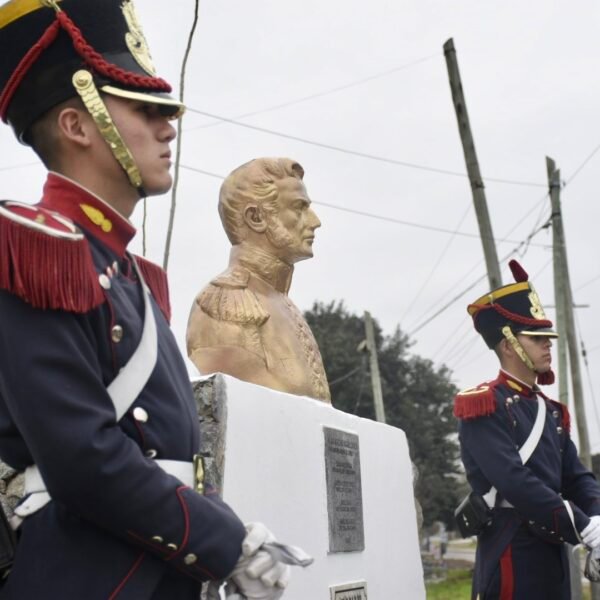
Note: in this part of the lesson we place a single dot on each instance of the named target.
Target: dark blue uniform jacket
(521, 555)
(118, 527)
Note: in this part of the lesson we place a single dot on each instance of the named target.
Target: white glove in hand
(257, 575)
(592, 565)
(590, 536)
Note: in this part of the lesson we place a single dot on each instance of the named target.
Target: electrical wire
(443, 255)
(584, 285)
(525, 242)
(582, 165)
(376, 216)
(21, 166)
(346, 376)
(321, 94)
(366, 155)
(587, 369)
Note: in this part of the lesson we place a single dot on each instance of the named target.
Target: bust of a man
(243, 323)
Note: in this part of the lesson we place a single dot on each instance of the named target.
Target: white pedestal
(275, 473)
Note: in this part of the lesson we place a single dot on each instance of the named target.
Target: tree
(417, 395)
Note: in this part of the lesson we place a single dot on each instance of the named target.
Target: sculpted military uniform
(243, 323)
(542, 504)
(241, 311)
(72, 312)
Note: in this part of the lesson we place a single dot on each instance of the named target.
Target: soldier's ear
(255, 218)
(76, 126)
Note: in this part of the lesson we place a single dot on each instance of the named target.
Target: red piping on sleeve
(133, 569)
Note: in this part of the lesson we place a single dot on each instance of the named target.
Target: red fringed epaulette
(157, 281)
(45, 260)
(475, 402)
(566, 417)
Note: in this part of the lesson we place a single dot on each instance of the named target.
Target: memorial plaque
(349, 591)
(344, 491)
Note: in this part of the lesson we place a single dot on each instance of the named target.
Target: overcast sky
(376, 81)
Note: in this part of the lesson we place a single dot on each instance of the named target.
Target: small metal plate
(349, 591)
(344, 491)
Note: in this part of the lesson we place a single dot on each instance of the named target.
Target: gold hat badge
(136, 41)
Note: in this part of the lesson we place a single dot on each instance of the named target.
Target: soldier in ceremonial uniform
(538, 504)
(95, 402)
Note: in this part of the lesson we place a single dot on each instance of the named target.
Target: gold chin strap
(86, 88)
(514, 342)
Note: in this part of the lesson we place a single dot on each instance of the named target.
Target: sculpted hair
(255, 181)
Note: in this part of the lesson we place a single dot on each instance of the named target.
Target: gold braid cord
(514, 342)
(85, 87)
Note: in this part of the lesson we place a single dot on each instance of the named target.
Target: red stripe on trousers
(507, 581)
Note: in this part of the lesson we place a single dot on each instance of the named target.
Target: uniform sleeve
(579, 484)
(488, 443)
(51, 377)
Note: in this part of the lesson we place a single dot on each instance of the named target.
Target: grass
(456, 587)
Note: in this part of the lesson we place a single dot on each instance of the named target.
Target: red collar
(516, 384)
(90, 212)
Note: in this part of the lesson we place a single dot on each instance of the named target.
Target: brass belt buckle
(199, 473)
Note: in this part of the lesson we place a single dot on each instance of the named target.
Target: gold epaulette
(45, 260)
(475, 402)
(227, 298)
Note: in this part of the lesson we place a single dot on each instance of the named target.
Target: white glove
(257, 575)
(592, 565)
(590, 536)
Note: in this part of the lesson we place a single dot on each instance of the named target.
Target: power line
(366, 155)
(587, 369)
(584, 285)
(21, 166)
(376, 216)
(321, 94)
(412, 224)
(582, 165)
(443, 254)
(525, 243)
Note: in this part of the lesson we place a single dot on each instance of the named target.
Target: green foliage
(456, 587)
(417, 397)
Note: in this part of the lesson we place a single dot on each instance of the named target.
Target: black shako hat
(516, 305)
(44, 42)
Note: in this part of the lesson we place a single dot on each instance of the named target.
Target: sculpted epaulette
(156, 279)
(45, 260)
(227, 298)
(566, 417)
(475, 402)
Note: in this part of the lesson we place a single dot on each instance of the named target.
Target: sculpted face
(291, 228)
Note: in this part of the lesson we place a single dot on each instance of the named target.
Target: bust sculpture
(243, 322)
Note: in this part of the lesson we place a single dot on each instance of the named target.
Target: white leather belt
(525, 451)
(37, 495)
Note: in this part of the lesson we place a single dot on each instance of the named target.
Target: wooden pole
(565, 324)
(477, 187)
(374, 367)
(559, 296)
(562, 280)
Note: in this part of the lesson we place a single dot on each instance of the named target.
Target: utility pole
(374, 368)
(477, 187)
(559, 296)
(564, 295)
(565, 327)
